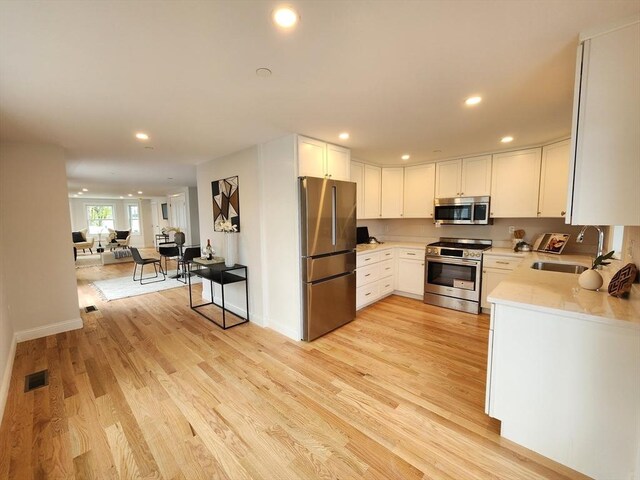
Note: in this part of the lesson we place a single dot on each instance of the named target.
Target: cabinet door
(515, 184)
(554, 177)
(392, 192)
(448, 178)
(410, 276)
(490, 280)
(476, 176)
(311, 157)
(371, 191)
(607, 170)
(357, 176)
(419, 189)
(338, 162)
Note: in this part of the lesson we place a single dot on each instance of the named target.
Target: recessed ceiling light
(121, 196)
(506, 139)
(79, 193)
(85, 190)
(75, 195)
(405, 157)
(473, 100)
(263, 72)
(130, 195)
(139, 193)
(344, 136)
(142, 136)
(285, 17)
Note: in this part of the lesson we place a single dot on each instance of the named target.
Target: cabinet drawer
(386, 286)
(386, 268)
(387, 254)
(367, 258)
(367, 294)
(411, 253)
(501, 263)
(367, 274)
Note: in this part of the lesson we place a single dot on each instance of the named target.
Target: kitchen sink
(559, 267)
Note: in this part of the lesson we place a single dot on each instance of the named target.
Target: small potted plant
(591, 279)
(230, 245)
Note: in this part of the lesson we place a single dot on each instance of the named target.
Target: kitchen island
(563, 370)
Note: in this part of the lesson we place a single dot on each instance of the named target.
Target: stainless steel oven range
(453, 269)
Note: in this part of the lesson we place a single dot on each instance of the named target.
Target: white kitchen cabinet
(320, 159)
(372, 178)
(515, 184)
(605, 171)
(375, 276)
(468, 177)
(410, 276)
(419, 191)
(495, 268)
(392, 192)
(554, 176)
(476, 176)
(357, 176)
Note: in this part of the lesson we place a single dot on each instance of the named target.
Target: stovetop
(468, 246)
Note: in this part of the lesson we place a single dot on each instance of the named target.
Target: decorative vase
(231, 249)
(590, 280)
(179, 238)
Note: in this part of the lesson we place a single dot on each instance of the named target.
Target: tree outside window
(134, 218)
(99, 218)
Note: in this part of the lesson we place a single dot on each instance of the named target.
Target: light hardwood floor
(149, 389)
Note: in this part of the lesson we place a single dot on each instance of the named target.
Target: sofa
(80, 240)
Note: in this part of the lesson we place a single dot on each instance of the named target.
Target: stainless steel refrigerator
(328, 242)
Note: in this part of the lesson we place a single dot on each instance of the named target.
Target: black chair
(187, 257)
(138, 260)
(168, 251)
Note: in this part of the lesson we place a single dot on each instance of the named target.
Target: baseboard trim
(46, 330)
(6, 377)
(285, 330)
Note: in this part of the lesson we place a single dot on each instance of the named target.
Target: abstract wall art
(226, 202)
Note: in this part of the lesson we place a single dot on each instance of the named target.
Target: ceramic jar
(590, 280)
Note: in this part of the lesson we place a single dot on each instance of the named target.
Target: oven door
(453, 277)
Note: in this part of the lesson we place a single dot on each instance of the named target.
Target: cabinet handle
(502, 263)
(409, 253)
(458, 194)
(367, 259)
(461, 193)
(484, 271)
(422, 264)
(563, 213)
(387, 285)
(367, 294)
(400, 214)
(367, 274)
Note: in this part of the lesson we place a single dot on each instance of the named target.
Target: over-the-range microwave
(462, 211)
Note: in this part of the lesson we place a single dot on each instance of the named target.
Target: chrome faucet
(580, 239)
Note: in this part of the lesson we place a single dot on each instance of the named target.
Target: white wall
(7, 340)
(424, 231)
(38, 293)
(244, 164)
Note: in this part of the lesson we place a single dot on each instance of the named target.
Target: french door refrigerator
(328, 242)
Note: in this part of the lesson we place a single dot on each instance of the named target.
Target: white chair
(84, 244)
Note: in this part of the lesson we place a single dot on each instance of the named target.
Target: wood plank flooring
(149, 389)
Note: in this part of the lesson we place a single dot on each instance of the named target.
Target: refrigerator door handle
(334, 201)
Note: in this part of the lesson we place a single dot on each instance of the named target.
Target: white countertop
(505, 252)
(558, 292)
(367, 247)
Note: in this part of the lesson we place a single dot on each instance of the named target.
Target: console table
(222, 275)
(161, 238)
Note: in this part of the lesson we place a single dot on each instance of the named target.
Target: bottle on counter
(208, 250)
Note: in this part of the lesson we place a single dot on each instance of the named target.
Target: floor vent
(90, 308)
(36, 380)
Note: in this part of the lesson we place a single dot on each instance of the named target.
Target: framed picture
(553, 242)
(165, 211)
(226, 202)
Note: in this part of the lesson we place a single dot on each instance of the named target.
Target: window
(99, 218)
(134, 218)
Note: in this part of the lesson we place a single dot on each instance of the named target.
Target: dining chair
(138, 260)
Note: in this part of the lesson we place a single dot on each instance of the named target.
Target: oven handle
(449, 260)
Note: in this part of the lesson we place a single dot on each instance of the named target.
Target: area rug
(124, 287)
(89, 260)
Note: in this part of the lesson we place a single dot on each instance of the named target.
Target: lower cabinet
(495, 268)
(411, 272)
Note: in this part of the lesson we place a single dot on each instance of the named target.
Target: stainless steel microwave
(462, 211)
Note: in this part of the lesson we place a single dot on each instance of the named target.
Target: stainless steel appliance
(453, 271)
(462, 211)
(328, 242)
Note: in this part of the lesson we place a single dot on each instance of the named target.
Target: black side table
(222, 275)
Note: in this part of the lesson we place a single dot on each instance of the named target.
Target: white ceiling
(88, 75)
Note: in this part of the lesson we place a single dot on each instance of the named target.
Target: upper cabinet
(392, 192)
(357, 176)
(554, 176)
(320, 159)
(515, 183)
(605, 171)
(468, 177)
(419, 189)
(372, 179)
